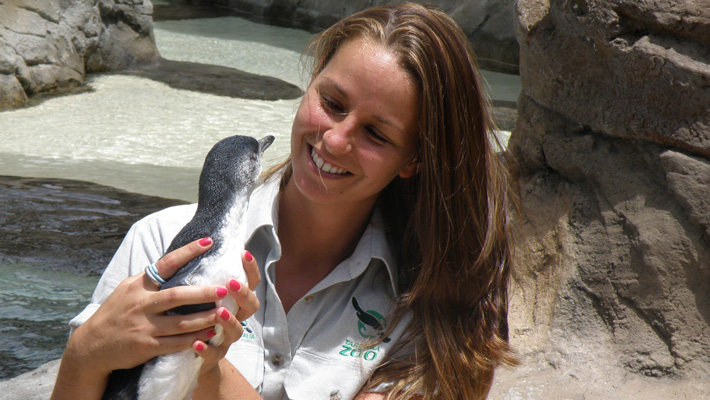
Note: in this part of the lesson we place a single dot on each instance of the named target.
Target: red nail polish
(234, 285)
(248, 256)
(211, 333)
(221, 292)
(224, 314)
(204, 242)
(199, 346)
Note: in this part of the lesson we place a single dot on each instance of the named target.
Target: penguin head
(232, 167)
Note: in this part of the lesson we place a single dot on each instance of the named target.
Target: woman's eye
(331, 105)
(374, 135)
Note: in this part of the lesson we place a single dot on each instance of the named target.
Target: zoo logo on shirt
(247, 332)
(371, 325)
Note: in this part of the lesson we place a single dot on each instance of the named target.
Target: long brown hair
(449, 223)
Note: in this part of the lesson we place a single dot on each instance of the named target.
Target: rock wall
(46, 45)
(612, 283)
(489, 24)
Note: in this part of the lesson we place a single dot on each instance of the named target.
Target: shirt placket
(277, 349)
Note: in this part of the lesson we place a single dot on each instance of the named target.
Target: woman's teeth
(324, 166)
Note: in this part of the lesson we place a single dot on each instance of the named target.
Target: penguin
(229, 173)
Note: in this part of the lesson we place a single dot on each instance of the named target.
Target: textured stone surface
(612, 285)
(581, 58)
(49, 45)
(489, 24)
(56, 237)
(67, 225)
(33, 385)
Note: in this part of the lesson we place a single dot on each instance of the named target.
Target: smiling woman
(358, 116)
(396, 95)
(382, 241)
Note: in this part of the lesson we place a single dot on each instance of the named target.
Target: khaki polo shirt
(319, 350)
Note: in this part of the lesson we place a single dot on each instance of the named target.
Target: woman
(383, 241)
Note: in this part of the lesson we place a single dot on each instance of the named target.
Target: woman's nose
(339, 138)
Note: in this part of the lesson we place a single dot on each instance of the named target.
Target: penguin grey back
(230, 170)
(229, 173)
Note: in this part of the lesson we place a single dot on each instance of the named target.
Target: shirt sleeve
(144, 243)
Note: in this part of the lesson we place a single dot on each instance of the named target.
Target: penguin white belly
(174, 376)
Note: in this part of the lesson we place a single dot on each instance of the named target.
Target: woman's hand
(131, 327)
(217, 375)
(248, 305)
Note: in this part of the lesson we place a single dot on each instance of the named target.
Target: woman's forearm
(72, 384)
(76, 379)
(224, 382)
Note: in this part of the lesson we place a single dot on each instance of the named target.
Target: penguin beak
(265, 142)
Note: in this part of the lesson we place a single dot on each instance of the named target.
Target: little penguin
(229, 173)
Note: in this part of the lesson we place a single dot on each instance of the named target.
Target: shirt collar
(379, 247)
(263, 204)
(373, 245)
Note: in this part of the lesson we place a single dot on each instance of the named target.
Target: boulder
(632, 69)
(63, 233)
(67, 225)
(50, 45)
(489, 24)
(611, 294)
(34, 385)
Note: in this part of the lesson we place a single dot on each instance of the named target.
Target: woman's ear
(411, 168)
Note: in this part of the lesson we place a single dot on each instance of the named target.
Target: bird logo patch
(370, 324)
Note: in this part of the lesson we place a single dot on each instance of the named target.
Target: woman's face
(355, 129)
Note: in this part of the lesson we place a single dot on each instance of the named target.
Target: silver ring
(152, 274)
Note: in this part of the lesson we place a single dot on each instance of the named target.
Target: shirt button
(308, 298)
(277, 360)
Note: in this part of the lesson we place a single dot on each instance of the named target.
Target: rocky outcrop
(62, 233)
(612, 284)
(34, 385)
(67, 225)
(49, 45)
(489, 24)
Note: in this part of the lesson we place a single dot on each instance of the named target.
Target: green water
(35, 308)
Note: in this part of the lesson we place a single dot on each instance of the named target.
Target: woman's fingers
(232, 331)
(210, 354)
(189, 323)
(232, 327)
(251, 269)
(185, 295)
(176, 332)
(175, 343)
(171, 262)
(168, 299)
(245, 298)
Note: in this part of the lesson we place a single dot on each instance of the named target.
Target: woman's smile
(355, 129)
(326, 166)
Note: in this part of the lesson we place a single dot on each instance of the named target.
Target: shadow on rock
(217, 80)
(171, 12)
